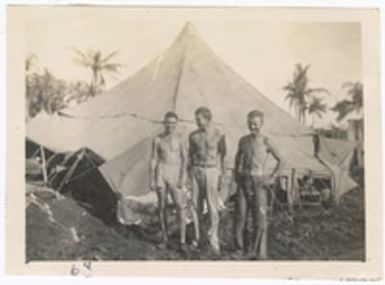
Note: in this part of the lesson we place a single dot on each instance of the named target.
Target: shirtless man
(207, 153)
(252, 179)
(168, 174)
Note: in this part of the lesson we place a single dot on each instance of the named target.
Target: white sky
(263, 51)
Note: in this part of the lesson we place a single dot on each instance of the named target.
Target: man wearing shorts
(207, 152)
(168, 174)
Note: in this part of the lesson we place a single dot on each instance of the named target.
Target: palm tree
(98, 64)
(354, 101)
(316, 108)
(298, 91)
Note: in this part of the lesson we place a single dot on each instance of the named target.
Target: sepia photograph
(176, 134)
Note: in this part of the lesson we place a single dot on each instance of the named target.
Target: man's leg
(162, 204)
(197, 198)
(249, 228)
(240, 218)
(180, 204)
(261, 202)
(196, 225)
(213, 206)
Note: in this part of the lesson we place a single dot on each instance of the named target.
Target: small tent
(119, 124)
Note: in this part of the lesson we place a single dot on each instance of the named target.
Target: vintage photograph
(183, 138)
(226, 142)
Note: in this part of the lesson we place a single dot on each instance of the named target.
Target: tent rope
(114, 116)
(136, 116)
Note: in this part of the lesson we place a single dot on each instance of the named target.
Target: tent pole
(334, 188)
(66, 158)
(71, 170)
(290, 190)
(36, 153)
(43, 165)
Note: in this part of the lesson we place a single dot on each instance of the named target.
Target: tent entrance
(299, 188)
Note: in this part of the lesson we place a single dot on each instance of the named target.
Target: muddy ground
(68, 232)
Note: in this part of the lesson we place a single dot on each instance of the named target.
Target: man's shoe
(238, 253)
(215, 249)
(183, 247)
(216, 253)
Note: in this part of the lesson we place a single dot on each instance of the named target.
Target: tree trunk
(94, 82)
(298, 111)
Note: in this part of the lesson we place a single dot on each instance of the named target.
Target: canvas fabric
(119, 124)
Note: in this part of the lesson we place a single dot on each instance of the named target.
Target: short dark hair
(205, 112)
(171, 114)
(255, 113)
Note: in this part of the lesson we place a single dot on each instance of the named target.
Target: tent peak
(188, 30)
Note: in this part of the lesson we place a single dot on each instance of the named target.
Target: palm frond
(109, 56)
(112, 67)
(90, 52)
(289, 86)
(343, 108)
(81, 58)
(310, 91)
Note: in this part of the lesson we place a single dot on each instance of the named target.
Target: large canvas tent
(119, 124)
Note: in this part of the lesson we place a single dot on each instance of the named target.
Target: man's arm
(237, 161)
(153, 163)
(183, 166)
(278, 157)
(222, 154)
(190, 153)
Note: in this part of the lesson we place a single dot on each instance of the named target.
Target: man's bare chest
(169, 146)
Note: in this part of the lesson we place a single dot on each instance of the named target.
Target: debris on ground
(58, 228)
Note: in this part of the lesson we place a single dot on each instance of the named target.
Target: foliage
(354, 101)
(99, 65)
(333, 132)
(78, 92)
(317, 108)
(299, 92)
(44, 92)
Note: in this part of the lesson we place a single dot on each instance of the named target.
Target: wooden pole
(71, 170)
(291, 192)
(43, 165)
